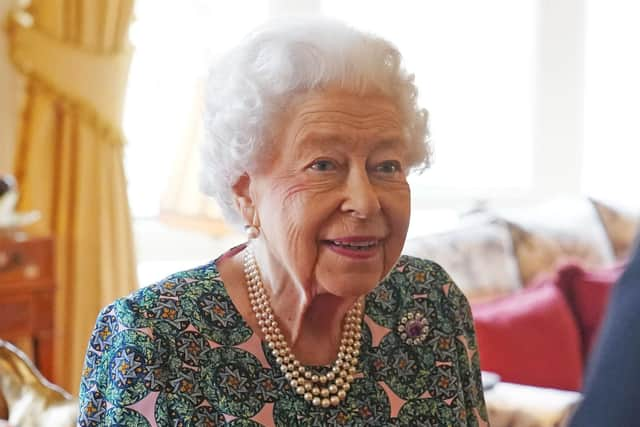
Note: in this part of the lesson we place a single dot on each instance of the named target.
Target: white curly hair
(249, 85)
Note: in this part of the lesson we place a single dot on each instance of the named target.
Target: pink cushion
(588, 294)
(530, 337)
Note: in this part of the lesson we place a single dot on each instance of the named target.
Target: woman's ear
(243, 200)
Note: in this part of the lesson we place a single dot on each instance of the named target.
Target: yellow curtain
(69, 157)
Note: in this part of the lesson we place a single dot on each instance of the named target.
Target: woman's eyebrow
(319, 139)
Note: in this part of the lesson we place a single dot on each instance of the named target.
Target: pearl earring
(252, 231)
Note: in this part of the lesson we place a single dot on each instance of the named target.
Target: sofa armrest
(515, 405)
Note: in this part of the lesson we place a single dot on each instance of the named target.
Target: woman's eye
(389, 167)
(323, 165)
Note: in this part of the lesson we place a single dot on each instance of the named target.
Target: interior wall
(559, 97)
(11, 90)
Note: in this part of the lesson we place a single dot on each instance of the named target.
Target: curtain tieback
(93, 82)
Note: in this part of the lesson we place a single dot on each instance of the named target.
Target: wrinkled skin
(339, 173)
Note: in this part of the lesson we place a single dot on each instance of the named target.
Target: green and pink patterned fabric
(176, 354)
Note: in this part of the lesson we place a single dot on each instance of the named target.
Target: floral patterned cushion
(621, 226)
(477, 255)
(548, 234)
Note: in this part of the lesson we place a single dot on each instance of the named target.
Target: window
(174, 41)
(474, 67)
(612, 102)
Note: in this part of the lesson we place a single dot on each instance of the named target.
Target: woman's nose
(361, 199)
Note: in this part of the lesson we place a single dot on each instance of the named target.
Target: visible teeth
(355, 244)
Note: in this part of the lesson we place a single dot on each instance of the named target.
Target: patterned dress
(177, 354)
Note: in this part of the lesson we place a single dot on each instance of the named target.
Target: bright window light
(174, 41)
(612, 102)
(473, 63)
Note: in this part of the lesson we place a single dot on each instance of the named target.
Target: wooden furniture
(27, 296)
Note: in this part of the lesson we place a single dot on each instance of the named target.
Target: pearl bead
(326, 403)
(300, 390)
(315, 391)
(335, 400)
(315, 401)
(333, 389)
(342, 395)
(308, 397)
(323, 379)
(324, 392)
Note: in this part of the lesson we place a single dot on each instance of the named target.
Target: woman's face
(333, 202)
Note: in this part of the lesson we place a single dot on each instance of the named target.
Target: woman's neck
(311, 322)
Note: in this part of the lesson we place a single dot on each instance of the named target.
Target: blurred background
(529, 100)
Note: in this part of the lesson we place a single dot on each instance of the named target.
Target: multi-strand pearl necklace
(321, 390)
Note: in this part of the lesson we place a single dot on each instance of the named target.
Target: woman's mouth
(354, 247)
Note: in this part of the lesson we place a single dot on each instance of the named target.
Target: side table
(27, 296)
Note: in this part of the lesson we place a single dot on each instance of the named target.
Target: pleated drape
(69, 157)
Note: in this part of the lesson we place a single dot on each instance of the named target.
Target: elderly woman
(312, 128)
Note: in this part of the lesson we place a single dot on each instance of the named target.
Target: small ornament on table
(10, 220)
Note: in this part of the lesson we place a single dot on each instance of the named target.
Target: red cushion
(588, 294)
(530, 337)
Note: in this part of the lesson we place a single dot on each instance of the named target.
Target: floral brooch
(413, 328)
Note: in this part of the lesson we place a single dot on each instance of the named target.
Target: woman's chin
(350, 285)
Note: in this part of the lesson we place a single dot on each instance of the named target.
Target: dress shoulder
(144, 342)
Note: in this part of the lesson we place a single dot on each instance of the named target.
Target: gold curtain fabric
(69, 157)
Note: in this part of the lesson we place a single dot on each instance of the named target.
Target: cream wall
(10, 93)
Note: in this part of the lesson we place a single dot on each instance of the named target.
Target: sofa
(538, 279)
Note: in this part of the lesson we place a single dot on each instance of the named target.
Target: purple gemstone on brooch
(413, 328)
